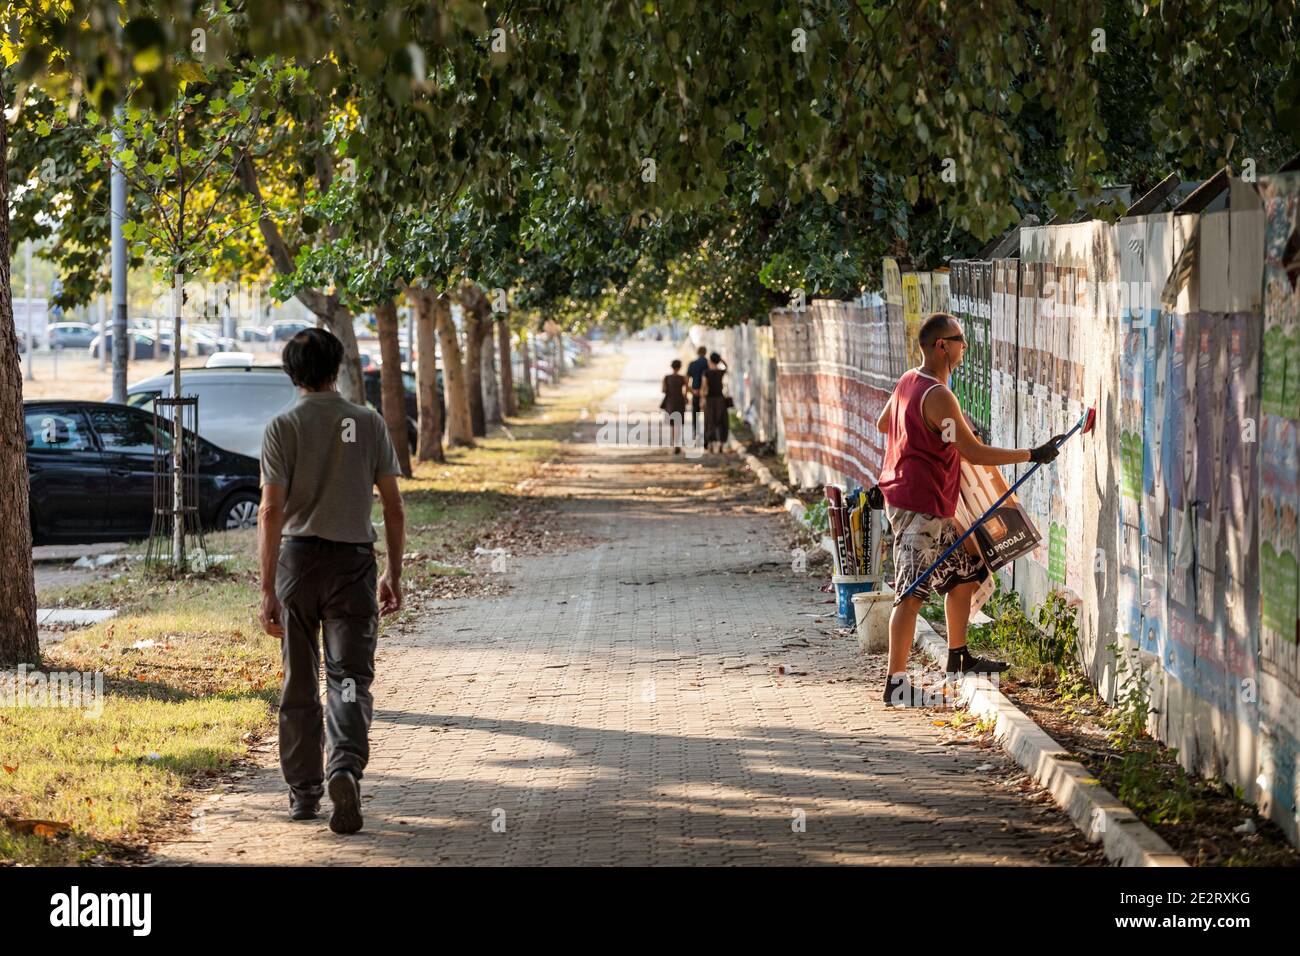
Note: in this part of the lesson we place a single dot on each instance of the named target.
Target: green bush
(1042, 646)
(817, 517)
(1056, 640)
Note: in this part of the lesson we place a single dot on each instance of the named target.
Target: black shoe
(304, 809)
(962, 661)
(345, 794)
(304, 806)
(899, 692)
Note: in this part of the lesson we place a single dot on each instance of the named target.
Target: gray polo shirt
(327, 454)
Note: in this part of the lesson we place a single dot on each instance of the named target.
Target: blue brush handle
(994, 507)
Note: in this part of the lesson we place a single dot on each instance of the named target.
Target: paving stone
(642, 725)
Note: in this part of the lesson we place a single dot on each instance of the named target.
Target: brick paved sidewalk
(621, 705)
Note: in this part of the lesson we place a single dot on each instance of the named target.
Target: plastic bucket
(872, 610)
(847, 585)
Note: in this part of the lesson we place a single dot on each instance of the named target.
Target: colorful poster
(1132, 240)
(972, 380)
(896, 323)
(912, 317)
(1061, 270)
(1003, 329)
(1279, 493)
(940, 296)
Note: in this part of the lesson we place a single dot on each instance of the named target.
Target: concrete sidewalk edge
(1097, 813)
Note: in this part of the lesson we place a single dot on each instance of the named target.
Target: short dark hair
(701, 351)
(715, 358)
(677, 363)
(933, 328)
(312, 358)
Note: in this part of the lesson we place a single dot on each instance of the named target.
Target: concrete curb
(1126, 840)
(73, 616)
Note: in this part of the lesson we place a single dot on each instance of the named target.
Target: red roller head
(1089, 420)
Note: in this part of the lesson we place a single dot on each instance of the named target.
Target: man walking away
(695, 372)
(920, 481)
(320, 461)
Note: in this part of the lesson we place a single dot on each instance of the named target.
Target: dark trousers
(326, 586)
(695, 417)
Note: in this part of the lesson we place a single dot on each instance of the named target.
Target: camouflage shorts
(919, 539)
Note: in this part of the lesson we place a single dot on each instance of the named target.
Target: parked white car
(229, 360)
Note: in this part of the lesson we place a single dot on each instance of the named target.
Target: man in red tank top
(920, 480)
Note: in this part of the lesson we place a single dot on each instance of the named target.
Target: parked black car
(90, 473)
(375, 396)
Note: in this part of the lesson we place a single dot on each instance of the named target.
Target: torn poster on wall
(835, 372)
(1279, 496)
(1061, 272)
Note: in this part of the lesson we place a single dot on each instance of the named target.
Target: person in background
(715, 404)
(674, 403)
(695, 372)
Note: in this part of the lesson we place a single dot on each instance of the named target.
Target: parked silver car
(234, 403)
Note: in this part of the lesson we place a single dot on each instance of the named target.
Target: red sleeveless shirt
(921, 472)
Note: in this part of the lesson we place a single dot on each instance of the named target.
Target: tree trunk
(339, 322)
(509, 402)
(491, 384)
(390, 382)
(460, 430)
(423, 304)
(526, 348)
(327, 308)
(17, 585)
(469, 301)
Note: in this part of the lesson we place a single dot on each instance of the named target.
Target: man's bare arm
(943, 411)
(882, 423)
(270, 521)
(390, 586)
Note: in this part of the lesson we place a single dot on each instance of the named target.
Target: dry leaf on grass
(41, 828)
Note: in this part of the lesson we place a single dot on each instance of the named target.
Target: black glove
(1047, 451)
(875, 498)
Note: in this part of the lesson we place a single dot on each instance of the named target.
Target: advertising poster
(1132, 381)
(959, 289)
(1154, 356)
(912, 317)
(1279, 495)
(940, 295)
(895, 323)
(1003, 330)
(1063, 272)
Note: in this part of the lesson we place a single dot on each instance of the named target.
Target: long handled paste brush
(1085, 424)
